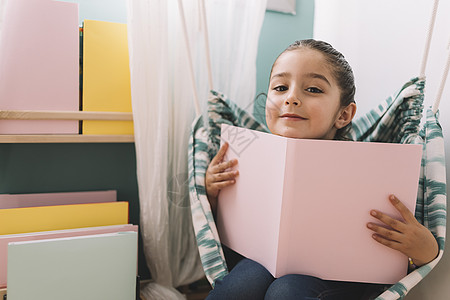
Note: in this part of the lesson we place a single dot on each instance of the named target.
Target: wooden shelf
(65, 115)
(54, 138)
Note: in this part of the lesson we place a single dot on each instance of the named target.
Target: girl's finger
(388, 243)
(404, 211)
(223, 184)
(391, 222)
(220, 154)
(225, 176)
(224, 166)
(391, 235)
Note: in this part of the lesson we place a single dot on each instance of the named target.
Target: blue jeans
(249, 280)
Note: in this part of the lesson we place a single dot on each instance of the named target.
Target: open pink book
(301, 206)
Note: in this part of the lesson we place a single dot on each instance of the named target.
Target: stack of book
(67, 246)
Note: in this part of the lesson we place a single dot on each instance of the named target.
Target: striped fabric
(396, 120)
(204, 143)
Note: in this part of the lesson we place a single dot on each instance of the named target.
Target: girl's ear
(346, 116)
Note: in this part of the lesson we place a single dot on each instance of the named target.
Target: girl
(311, 96)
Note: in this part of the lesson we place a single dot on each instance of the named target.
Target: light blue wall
(279, 31)
(102, 10)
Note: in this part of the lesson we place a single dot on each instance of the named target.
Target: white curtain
(163, 110)
(384, 42)
(234, 35)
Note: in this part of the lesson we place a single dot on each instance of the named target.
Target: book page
(249, 211)
(331, 186)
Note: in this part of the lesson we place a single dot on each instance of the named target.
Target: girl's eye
(314, 90)
(280, 88)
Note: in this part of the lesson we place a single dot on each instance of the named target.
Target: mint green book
(90, 267)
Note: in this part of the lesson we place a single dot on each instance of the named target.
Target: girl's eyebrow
(318, 76)
(311, 75)
(281, 74)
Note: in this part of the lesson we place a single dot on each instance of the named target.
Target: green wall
(278, 32)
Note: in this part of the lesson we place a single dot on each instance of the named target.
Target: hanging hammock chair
(395, 120)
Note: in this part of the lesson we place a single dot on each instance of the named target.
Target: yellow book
(46, 218)
(106, 75)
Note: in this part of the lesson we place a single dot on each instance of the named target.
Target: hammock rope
(443, 81)
(428, 40)
(206, 41)
(190, 62)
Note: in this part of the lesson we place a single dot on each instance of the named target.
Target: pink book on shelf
(301, 206)
(50, 199)
(39, 64)
(44, 235)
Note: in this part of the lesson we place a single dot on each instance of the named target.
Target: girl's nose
(291, 100)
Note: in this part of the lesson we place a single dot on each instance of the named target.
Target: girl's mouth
(289, 116)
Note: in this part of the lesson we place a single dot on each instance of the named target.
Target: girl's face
(303, 100)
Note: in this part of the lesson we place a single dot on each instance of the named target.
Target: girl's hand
(407, 236)
(217, 177)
